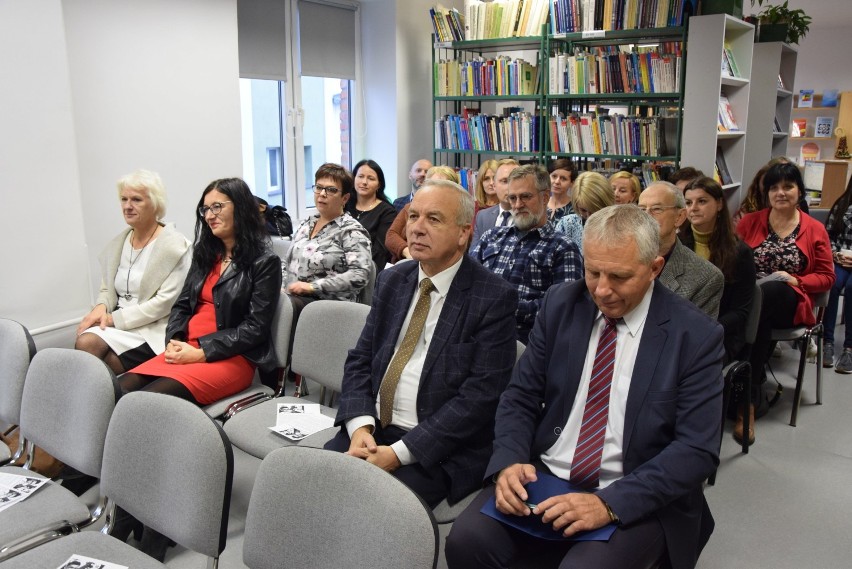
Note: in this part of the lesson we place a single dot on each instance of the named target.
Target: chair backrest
(316, 508)
(326, 331)
(519, 350)
(753, 315)
(366, 294)
(16, 351)
(282, 323)
(171, 466)
(281, 246)
(69, 396)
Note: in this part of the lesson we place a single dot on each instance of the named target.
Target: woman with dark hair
(372, 208)
(755, 199)
(839, 225)
(219, 327)
(792, 249)
(710, 234)
(563, 172)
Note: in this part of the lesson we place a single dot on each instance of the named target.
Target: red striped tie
(586, 465)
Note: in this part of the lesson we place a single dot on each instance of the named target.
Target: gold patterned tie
(403, 354)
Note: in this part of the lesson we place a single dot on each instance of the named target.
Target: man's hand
(178, 352)
(510, 494)
(385, 458)
(362, 444)
(574, 512)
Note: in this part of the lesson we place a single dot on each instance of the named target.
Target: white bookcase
(705, 83)
(765, 141)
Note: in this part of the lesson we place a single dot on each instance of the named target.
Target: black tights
(777, 311)
(137, 382)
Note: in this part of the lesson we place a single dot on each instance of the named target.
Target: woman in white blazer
(142, 273)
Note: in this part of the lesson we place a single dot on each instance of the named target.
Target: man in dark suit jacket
(438, 437)
(417, 175)
(487, 218)
(661, 425)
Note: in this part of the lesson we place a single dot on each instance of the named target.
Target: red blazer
(813, 241)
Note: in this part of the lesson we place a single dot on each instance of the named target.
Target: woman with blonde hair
(486, 194)
(142, 272)
(625, 187)
(396, 240)
(592, 193)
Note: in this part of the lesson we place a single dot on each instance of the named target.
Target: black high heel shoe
(155, 544)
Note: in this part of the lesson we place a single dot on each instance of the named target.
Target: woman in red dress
(219, 328)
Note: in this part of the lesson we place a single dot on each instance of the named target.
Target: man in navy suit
(417, 175)
(421, 386)
(499, 215)
(657, 439)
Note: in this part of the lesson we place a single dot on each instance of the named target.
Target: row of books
(726, 122)
(603, 71)
(591, 133)
(517, 132)
(656, 171)
(504, 18)
(720, 171)
(569, 16)
(729, 63)
(485, 77)
(448, 25)
(823, 127)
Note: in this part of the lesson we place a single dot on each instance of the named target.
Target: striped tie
(586, 465)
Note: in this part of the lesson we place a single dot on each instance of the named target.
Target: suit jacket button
(557, 431)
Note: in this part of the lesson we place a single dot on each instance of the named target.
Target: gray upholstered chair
(257, 393)
(68, 398)
(366, 294)
(170, 466)
(326, 331)
(16, 351)
(352, 515)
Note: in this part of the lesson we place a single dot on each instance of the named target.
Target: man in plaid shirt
(529, 254)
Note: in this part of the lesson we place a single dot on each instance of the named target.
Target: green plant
(798, 22)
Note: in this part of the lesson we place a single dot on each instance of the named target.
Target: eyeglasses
(329, 190)
(215, 207)
(657, 210)
(513, 198)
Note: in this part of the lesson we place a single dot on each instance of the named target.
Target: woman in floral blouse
(330, 257)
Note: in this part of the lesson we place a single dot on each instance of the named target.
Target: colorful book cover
(823, 127)
(799, 128)
(809, 151)
(806, 98)
(829, 98)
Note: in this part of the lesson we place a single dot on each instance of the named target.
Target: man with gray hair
(421, 386)
(531, 254)
(685, 273)
(623, 436)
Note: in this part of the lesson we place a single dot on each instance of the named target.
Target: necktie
(585, 467)
(403, 354)
(505, 221)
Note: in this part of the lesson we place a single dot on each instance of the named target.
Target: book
(829, 98)
(809, 151)
(776, 129)
(806, 98)
(781, 82)
(728, 56)
(799, 128)
(823, 127)
(722, 165)
(727, 122)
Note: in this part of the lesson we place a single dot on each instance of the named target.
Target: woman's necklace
(370, 207)
(127, 295)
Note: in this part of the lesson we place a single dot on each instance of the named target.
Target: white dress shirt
(405, 398)
(629, 334)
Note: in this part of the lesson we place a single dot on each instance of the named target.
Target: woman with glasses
(219, 328)
(592, 192)
(142, 271)
(330, 256)
(792, 251)
(371, 208)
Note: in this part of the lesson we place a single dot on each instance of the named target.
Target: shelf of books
(602, 82)
(716, 119)
(815, 117)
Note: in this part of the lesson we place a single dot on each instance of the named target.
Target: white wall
(96, 89)
(823, 61)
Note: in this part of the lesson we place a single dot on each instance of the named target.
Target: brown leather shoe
(738, 427)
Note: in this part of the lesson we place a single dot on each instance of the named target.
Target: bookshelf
(826, 145)
(709, 36)
(770, 61)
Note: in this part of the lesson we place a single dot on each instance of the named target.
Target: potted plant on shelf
(781, 23)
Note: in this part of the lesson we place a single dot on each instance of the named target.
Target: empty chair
(16, 350)
(257, 392)
(317, 508)
(326, 331)
(804, 334)
(68, 398)
(169, 465)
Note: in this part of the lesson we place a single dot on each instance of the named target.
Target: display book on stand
(604, 71)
